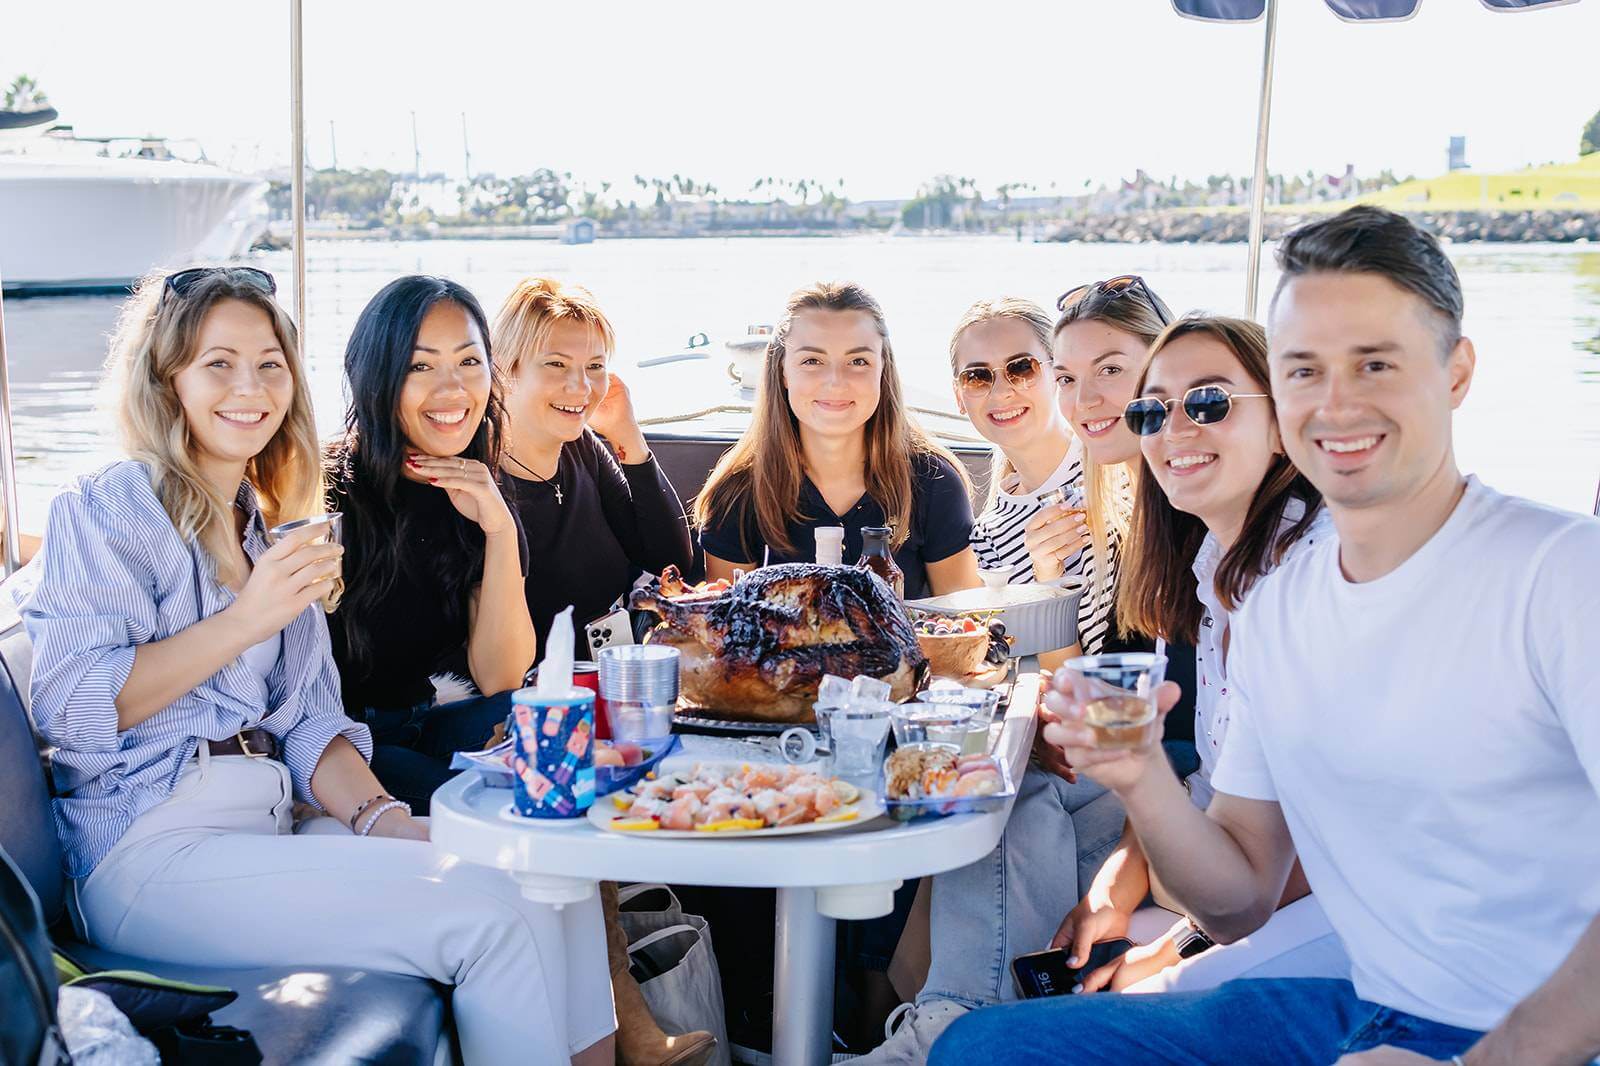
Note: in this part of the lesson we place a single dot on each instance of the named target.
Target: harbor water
(1530, 426)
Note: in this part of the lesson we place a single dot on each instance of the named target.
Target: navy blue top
(941, 521)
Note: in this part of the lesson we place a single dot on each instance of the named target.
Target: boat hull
(99, 225)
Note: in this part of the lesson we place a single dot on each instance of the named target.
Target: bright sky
(882, 93)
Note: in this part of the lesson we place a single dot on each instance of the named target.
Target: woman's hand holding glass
(471, 488)
(1054, 535)
(1118, 769)
(288, 577)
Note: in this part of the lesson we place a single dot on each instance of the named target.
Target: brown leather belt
(253, 743)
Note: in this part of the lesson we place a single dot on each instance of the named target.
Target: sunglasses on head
(1022, 372)
(183, 282)
(1205, 405)
(1109, 290)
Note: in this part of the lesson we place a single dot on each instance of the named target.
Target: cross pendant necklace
(539, 477)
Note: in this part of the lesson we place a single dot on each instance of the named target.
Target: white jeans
(214, 875)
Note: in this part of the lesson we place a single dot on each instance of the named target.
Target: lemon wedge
(730, 823)
(635, 825)
(622, 801)
(839, 816)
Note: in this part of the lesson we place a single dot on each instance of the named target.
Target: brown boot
(640, 1041)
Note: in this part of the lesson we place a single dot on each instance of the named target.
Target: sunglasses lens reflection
(976, 378)
(1023, 372)
(1206, 405)
(1145, 417)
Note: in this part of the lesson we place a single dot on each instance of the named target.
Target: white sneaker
(919, 1027)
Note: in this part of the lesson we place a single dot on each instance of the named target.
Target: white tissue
(555, 670)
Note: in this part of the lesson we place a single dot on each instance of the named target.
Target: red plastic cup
(587, 675)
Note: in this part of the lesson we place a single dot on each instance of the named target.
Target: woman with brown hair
(1221, 506)
(830, 444)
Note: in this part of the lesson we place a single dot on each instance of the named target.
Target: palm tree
(25, 95)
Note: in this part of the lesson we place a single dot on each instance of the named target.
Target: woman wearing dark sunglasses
(1222, 506)
(1000, 356)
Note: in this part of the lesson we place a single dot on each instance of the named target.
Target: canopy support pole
(1258, 184)
(297, 138)
(8, 456)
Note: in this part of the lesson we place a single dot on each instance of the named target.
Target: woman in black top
(434, 556)
(830, 444)
(593, 520)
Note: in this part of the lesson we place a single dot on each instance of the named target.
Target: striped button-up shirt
(114, 573)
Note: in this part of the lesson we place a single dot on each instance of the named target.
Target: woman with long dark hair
(436, 558)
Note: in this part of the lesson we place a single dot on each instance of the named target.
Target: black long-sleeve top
(611, 523)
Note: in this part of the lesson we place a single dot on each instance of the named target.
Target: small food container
(1038, 618)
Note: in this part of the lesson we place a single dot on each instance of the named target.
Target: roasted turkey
(757, 651)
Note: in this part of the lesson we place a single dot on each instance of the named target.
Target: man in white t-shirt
(1417, 716)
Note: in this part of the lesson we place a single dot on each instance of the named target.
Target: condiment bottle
(876, 556)
(830, 545)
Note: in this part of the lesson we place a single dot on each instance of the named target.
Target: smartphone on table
(1046, 973)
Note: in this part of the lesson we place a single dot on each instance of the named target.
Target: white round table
(848, 873)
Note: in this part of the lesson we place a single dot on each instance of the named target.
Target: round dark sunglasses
(1205, 405)
(1110, 289)
(1022, 372)
(183, 282)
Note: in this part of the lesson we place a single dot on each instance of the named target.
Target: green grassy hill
(1557, 187)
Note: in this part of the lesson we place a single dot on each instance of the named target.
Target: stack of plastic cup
(639, 686)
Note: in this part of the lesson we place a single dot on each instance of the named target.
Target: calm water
(1531, 424)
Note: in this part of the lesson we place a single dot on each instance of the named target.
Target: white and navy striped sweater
(997, 541)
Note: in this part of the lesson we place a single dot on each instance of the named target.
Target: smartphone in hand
(1046, 973)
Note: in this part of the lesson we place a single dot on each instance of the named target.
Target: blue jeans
(1012, 900)
(411, 746)
(1283, 1022)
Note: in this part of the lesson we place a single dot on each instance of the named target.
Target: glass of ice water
(860, 733)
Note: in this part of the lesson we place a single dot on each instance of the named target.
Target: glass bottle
(876, 556)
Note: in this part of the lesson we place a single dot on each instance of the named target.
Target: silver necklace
(538, 476)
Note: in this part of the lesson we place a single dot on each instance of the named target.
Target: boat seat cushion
(315, 1015)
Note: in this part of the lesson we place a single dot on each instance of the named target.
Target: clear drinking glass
(860, 734)
(1117, 693)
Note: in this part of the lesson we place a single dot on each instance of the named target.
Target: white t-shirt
(1211, 692)
(1433, 737)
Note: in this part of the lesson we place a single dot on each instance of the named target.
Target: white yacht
(75, 216)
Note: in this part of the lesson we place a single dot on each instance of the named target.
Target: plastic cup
(931, 723)
(1117, 694)
(860, 734)
(982, 701)
(994, 579)
(639, 685)
(334, 523)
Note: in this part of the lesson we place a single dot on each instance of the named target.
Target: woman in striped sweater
(1041, 392)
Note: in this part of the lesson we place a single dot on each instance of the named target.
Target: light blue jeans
(1012, 900)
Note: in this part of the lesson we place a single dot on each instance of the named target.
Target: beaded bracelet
(357, 812)
(381, 810)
